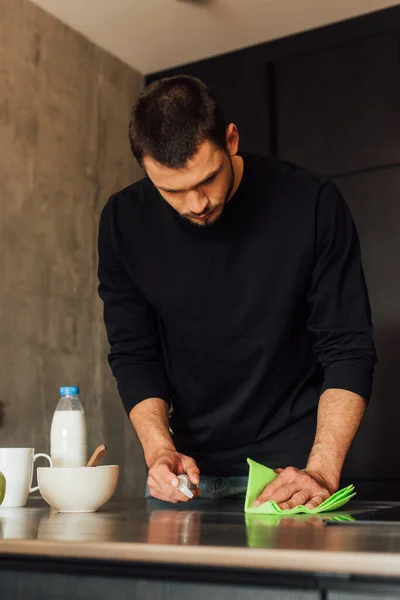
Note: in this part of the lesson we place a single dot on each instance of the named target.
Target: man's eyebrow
(209, 176)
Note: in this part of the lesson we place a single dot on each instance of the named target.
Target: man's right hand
(163, 480)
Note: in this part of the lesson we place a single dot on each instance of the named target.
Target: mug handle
(34, 489)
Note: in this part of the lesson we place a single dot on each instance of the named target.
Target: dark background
(329, 99)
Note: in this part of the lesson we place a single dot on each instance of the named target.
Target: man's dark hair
(171, 117)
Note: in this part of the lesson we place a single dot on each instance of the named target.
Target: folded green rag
(260, 477)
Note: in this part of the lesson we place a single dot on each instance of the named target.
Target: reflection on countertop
(202, 530)
(220, 523)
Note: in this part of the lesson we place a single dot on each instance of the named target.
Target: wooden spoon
(97, 456)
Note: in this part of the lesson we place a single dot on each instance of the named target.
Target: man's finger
(172, 493)
(267, 493)
(316, 501)
(182, 497)
(194, 475)
(191, 469)
(164, 472)
(298, 499)
(166, 482)
(287, 476)
(280, 495)
(196, 493)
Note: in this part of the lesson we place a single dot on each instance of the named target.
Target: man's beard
(222, 204)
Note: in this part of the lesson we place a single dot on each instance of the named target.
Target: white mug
(16, 464)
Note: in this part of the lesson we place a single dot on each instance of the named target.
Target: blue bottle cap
(69, 391)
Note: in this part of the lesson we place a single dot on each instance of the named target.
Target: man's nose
(196, 202)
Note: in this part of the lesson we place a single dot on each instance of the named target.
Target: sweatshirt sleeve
(339, 309)
(132, 328)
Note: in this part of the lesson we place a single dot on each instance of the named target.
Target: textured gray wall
(64, 106)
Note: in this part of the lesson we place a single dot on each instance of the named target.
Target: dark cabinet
(338, 109)
(374, 199)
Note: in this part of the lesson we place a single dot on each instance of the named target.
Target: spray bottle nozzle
(183, 486)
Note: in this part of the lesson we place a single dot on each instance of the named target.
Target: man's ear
(232, 139)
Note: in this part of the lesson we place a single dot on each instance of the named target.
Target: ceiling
(152, 35)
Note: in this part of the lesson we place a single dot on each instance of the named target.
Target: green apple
(2, 487)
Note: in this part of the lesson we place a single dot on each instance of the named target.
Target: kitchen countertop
(208, 534)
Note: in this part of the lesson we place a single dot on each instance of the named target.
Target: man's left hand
(293, 487)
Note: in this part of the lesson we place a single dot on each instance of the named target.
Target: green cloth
(260, 477)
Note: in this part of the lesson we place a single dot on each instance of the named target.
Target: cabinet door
(27, 585)
(243, 93)
(374, 201)
(338, 110)
(384, 594)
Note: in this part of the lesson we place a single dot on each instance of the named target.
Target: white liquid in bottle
(68, 437)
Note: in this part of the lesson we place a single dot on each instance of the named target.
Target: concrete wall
(64, 106)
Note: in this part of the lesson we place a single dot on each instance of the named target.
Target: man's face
(199, 190)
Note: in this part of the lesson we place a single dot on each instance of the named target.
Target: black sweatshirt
(241, 325)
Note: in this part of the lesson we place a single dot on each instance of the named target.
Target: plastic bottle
(68, 437)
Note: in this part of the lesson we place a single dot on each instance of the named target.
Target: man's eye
(210, 179)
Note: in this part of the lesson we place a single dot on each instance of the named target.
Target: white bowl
(77, 489)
